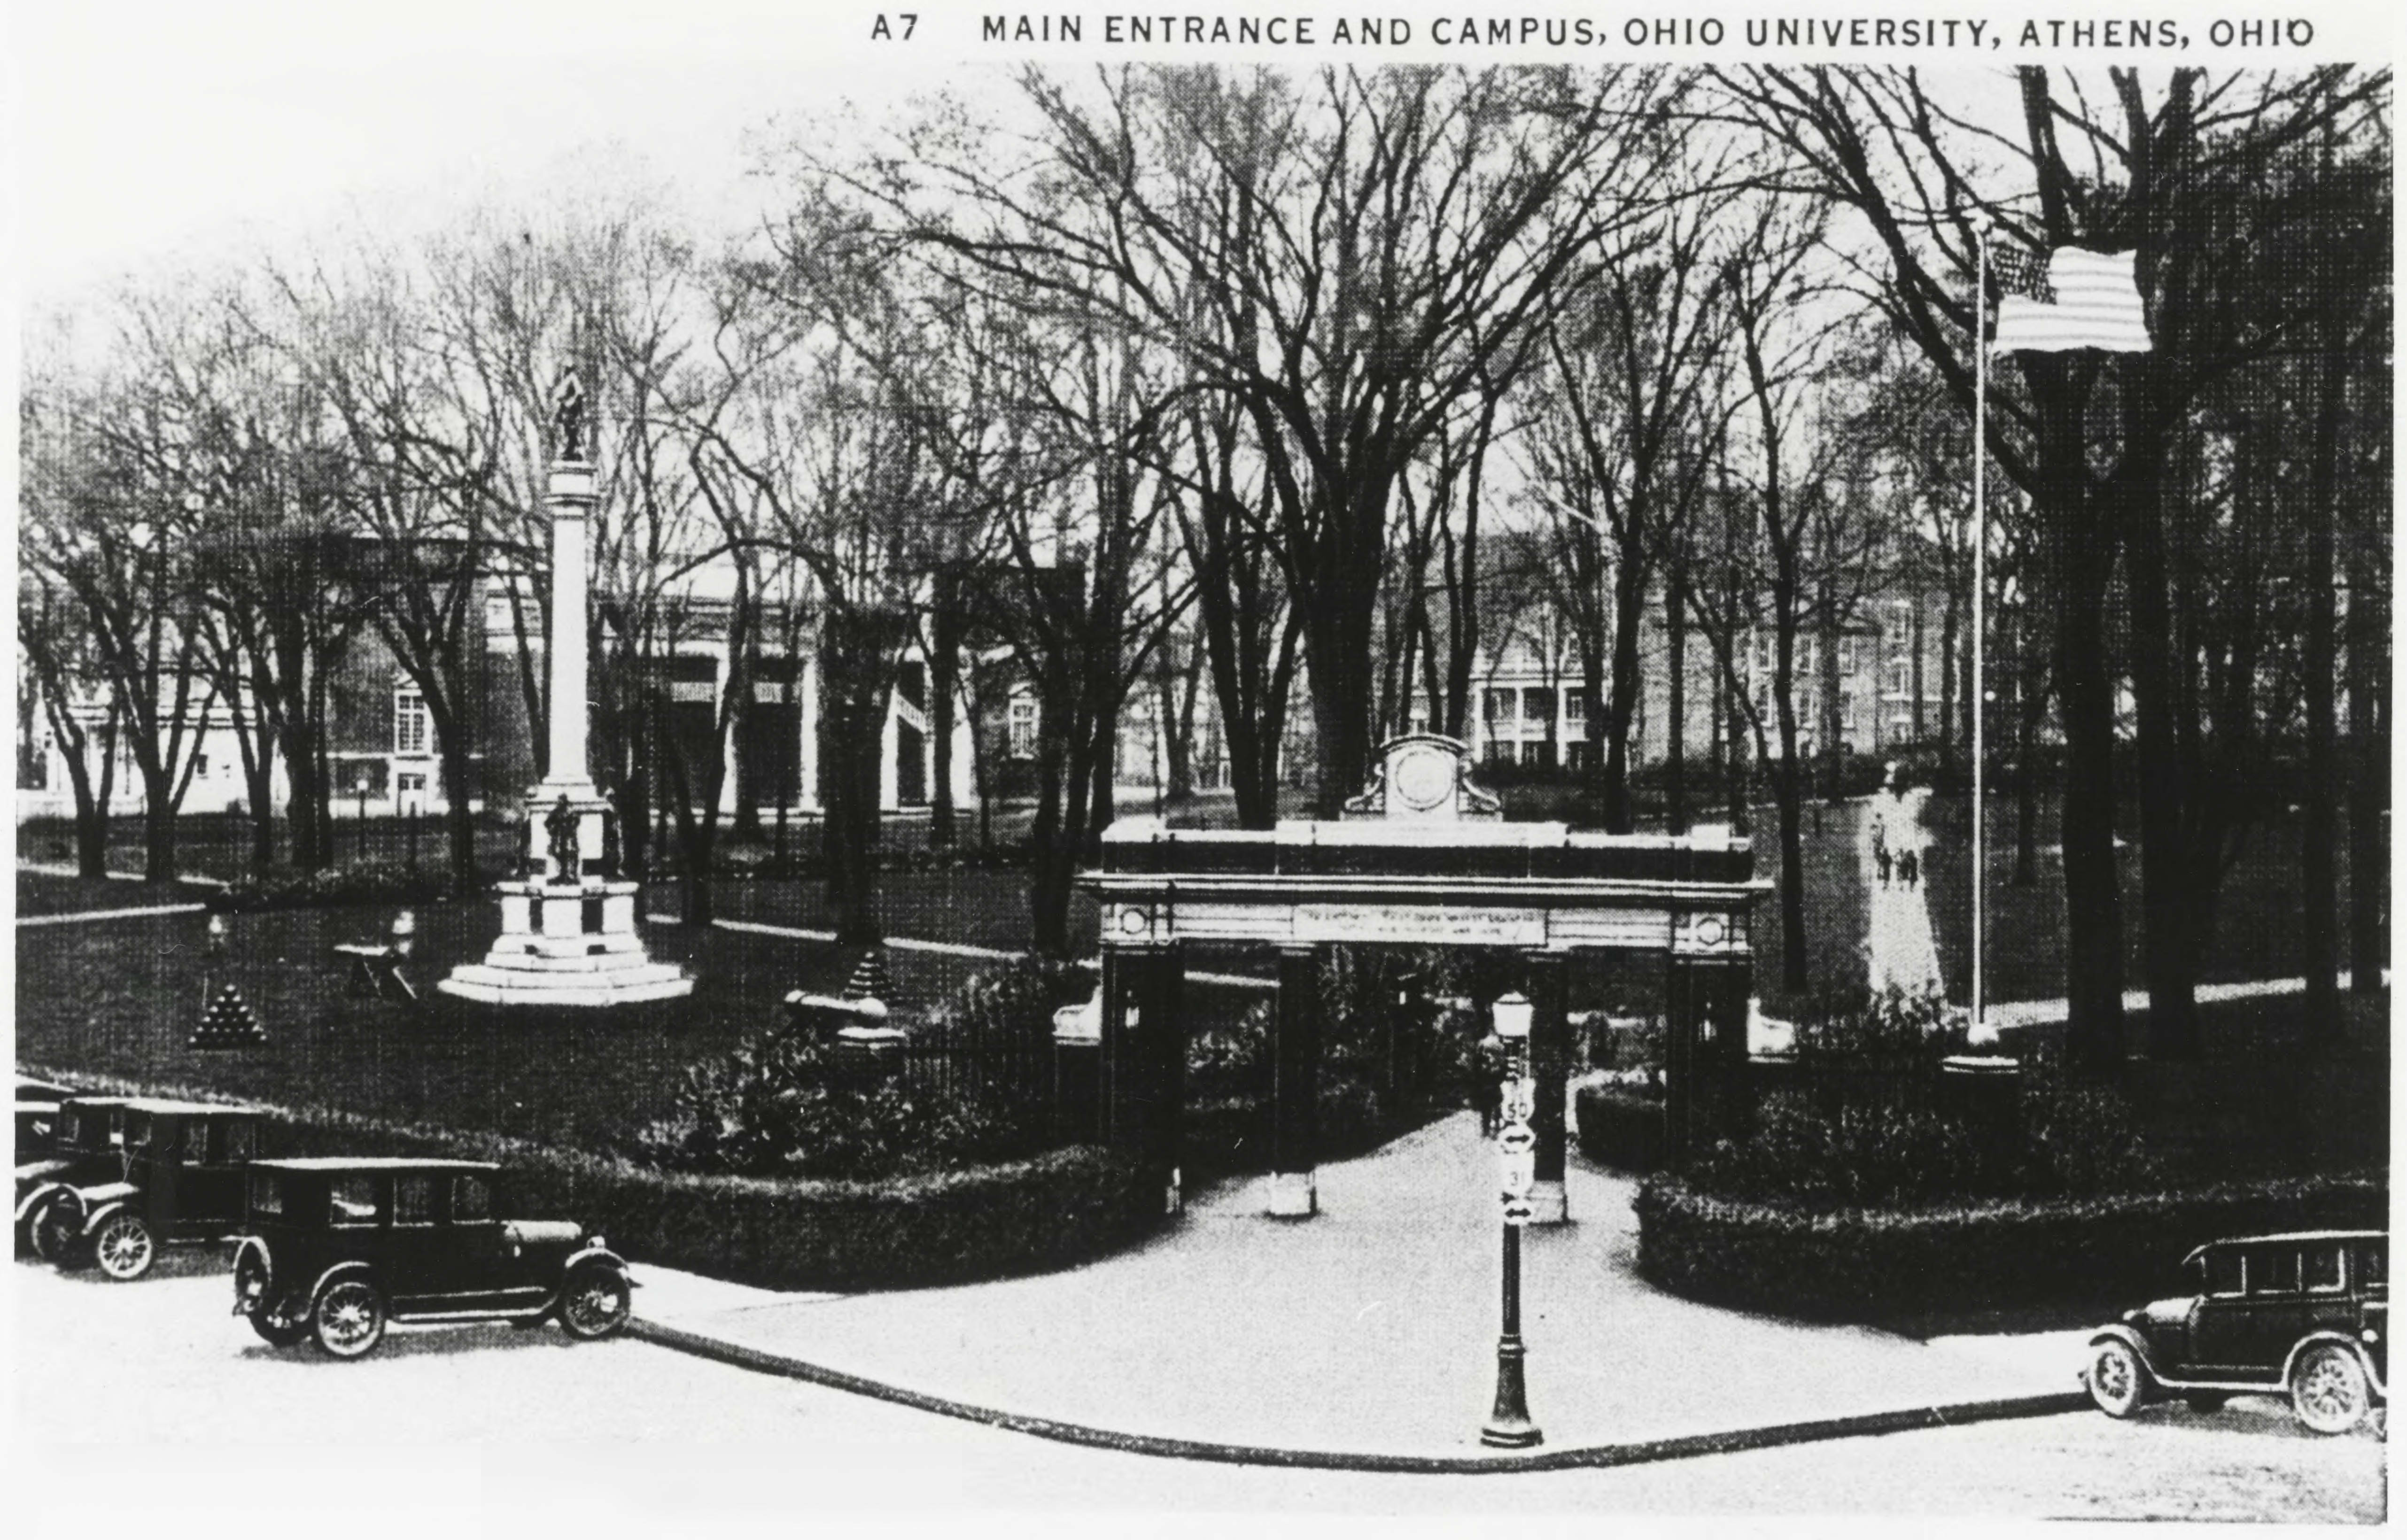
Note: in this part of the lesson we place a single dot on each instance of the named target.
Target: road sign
(1517, 1172)
(1517, 1211)
(1515, 1138)
(1520, 1098)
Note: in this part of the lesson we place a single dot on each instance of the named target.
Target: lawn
(2258, 933)
(122, 997)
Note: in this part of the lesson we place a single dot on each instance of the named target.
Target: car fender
(252, 1243)
(336, 1274)
(38, 1196)
(2131, 1339)
(590, 1254)
(93, 1219)
(2364, 1359)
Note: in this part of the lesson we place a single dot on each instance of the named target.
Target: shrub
(1620, 1126)
(1864, 1151)
(2095, 1253)
(784, 1103)
(1892, 1027)
(335, 887)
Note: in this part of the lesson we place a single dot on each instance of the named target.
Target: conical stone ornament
(228, 1023)
(869, 980)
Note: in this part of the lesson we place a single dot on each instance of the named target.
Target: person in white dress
(1903, 955)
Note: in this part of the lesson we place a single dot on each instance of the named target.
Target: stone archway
(1422, 858)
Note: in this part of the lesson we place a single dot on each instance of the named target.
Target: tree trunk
(857, 688)
(944, 681)
(2093, 916)
(2319, 831)
(1675, 739)
(459, 819)
(2169, 947)
(2369, 729)
(1629, 605)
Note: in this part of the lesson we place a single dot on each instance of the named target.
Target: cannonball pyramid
(228, 1023)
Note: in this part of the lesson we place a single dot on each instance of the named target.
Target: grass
(2259, 930)
(122, 997)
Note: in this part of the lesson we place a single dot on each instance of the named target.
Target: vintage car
(181, 1182)
(336, 1248)
(86, 1133)
(2306, 1313)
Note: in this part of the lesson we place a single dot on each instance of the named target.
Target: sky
(152, 134)
(167, 131)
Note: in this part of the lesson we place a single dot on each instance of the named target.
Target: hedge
(1620, 1127)
(1059, 1209)
(1866, 1264)
(337, 886)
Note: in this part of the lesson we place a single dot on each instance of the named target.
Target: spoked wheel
(595, 1305)
(2118, 1381)
(125, 1248)
(2329, 1389)
(348, 1320)
(33, 1231)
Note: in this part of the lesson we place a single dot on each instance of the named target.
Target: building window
(1805, 657)
(1576, 707)
(1020, 727)
(1847, 654)
(411, 727)
(1538, 706)
(1494, 706)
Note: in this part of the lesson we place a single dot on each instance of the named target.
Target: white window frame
(409, 709)
(1019, 727)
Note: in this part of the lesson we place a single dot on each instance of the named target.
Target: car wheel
(2118, 1381)
(57, 1241)
(279, 1327)
(125, 1248)
(2328, 1389)
(2205, 1400)
(595, 1303)
(348, 1320)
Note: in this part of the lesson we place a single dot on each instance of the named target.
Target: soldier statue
(561, 825)
(568, 416)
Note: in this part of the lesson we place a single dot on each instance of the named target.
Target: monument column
(568, 922)
(571, 502)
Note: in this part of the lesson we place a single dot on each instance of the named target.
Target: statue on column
(568, 413)
(559, 824)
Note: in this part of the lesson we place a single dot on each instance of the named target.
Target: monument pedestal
(567, 942)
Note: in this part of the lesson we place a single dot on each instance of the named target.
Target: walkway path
(1371, 1328)
(1901, 952)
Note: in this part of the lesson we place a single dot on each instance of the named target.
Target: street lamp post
(1509, 1426)
(362, 789)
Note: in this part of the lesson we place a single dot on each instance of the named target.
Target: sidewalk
(1369, 1330)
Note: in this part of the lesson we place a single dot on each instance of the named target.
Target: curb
(1687, 1446)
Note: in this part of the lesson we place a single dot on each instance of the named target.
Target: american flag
(2074, 299)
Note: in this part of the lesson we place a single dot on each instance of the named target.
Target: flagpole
(1980, 630)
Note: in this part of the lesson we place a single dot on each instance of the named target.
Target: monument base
(567, 944)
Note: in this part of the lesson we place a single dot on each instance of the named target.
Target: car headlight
(2370, 1334)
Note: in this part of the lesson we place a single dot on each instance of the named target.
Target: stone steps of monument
(522, 987)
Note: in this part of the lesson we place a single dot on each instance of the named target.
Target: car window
(413, 1199)
(117, 1125)
(2376, 1261)
(2323, 1267)
(237, 1140)
(196, 1142)
(472, 1200)
(355, 1201)
(137, 1133)
(71, 1128)
(2274, 1270)
(2223, 1272)
(266, 1192)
